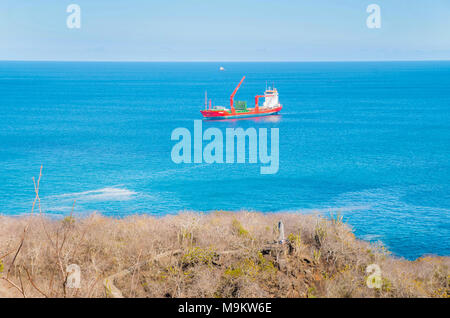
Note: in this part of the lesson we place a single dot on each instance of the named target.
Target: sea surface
(368, 140)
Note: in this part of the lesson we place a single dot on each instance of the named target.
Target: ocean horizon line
(227, 61)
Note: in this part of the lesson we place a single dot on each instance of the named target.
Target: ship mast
(234, 93)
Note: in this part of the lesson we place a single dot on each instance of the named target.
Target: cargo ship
(238, 109)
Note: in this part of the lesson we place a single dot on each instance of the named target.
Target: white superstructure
(271, 98)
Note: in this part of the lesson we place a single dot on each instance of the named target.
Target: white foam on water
(104, 194)
(371, 237)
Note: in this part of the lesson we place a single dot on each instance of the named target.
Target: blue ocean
(368, 140)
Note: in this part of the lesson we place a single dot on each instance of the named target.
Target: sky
(227, 30)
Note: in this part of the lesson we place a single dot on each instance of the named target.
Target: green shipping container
(240, 105)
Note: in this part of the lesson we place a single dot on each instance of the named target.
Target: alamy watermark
(74, 19)
(374, 279)
(214, 150)
(374, 19)
(73, 276)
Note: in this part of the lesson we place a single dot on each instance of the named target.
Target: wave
(104, 194)
(371, 237)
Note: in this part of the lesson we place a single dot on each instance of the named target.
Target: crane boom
(257, 97)
(234, 93)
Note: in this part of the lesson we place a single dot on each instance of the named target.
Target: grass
(221, 254)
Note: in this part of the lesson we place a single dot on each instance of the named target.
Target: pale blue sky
(228, 30)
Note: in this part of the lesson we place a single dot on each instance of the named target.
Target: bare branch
(33, 284)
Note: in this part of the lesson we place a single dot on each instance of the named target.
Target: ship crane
(257, 97)
(234, 93)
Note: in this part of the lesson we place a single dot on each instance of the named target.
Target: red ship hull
(251, 112)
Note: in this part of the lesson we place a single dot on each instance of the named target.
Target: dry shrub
(221, 254)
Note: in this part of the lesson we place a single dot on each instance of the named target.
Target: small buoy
(221, 68)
